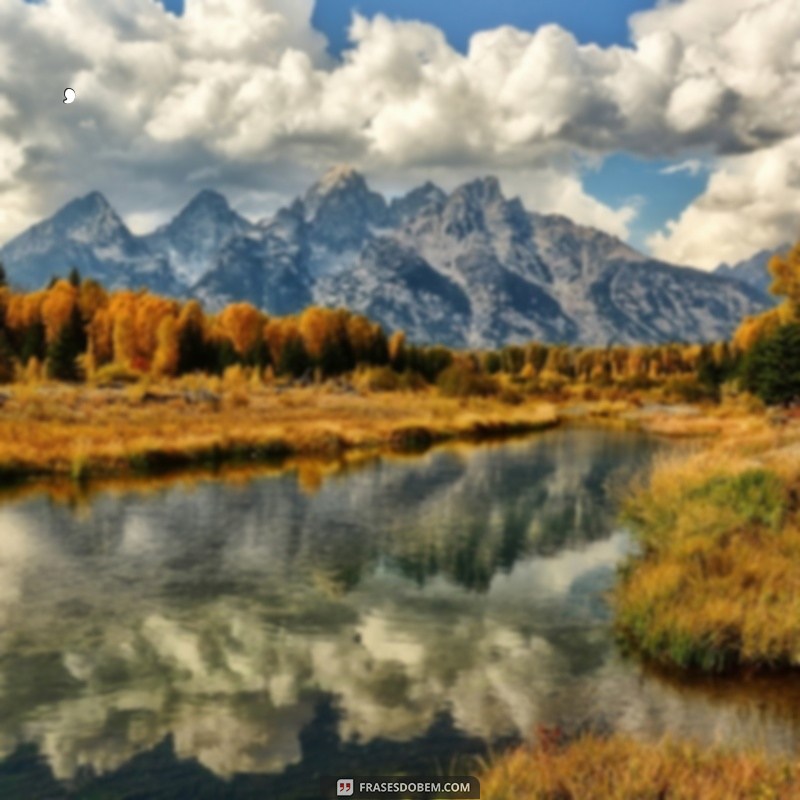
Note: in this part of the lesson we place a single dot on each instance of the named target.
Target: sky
(675, 126)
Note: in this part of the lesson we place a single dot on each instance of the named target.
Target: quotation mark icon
(344, 788)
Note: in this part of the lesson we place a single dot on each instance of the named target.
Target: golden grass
(717, 584)
(619, 768)
(83, 431)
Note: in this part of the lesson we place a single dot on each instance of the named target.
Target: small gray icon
(344, 788)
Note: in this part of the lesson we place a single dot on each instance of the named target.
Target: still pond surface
(237, 640)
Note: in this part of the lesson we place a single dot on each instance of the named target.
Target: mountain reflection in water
(237, 640)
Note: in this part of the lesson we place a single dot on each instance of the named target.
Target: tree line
(75, 330)
(770, 342)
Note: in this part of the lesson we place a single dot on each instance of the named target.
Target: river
(238, 638)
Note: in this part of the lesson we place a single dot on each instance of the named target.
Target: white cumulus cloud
(243, 94)
(752, 203)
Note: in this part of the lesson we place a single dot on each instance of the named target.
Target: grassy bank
(86, 431)
(716, 585)
(618, 768)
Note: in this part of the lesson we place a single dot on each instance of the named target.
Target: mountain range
(469, 268)
(754, 270)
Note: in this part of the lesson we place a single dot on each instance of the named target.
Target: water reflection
(407, 609)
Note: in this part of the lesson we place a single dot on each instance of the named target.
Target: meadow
(715, 586)
(594, 767)
(83, 432)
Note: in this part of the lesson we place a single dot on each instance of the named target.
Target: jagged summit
(339, 176)
(428, 196)
(343, 210)
(90, 215)
(469, 268)
(192, 240)
(207, 199)
(86, 233)
(753, 271)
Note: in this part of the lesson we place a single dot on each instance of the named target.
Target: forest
(76, 331)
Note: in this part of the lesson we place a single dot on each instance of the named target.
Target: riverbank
(619, 768)
(716, 585)
(83, 432)
(86, 431)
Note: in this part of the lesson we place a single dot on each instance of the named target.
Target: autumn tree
(167, 355)
(57, 307)
(397, 351)
(243, 325)
(124, 338)
(785, 270)
(101, 336)
(367, 340)
(513, 359)
(754, 328)
(285, 345)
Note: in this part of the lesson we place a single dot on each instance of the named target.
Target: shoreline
(85, 434)
(715, 588)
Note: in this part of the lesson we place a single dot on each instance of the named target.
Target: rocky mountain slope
(469, 268)
(754, 270)
(88, 234)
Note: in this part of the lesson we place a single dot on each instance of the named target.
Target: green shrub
(755, 496)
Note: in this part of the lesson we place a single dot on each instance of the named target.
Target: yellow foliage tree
(785, 270)
(57, 307)
(124, 338)
(165, 360)
(243, 325)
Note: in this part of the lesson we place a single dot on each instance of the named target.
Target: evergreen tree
(258, 356)
(193, 353)
(33, 343)
(336, 356)
(771, 368)
(75, 277)
(63, 353)
(226, 355)
(294, 360)
(3, 276)
(6, 359)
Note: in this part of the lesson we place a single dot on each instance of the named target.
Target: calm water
(238, 640)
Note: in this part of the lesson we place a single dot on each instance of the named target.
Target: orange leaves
(277, 333)
(57, 307)
(23, 311)
(165, 360)
(785, 270)
(318, 326)
(243, 325)
(753, 328)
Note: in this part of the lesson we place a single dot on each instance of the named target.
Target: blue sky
(620, 178)
(602, 21)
